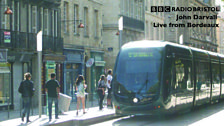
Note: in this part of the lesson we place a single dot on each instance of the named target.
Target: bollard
(8, 104)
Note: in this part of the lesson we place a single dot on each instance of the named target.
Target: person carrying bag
(101, 90)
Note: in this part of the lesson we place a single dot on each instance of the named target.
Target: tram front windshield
(138, 71)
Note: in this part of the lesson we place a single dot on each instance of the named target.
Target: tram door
(203, 84)
(182, 86)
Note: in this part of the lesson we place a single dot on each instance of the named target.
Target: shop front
(73, 66)
(97, 69)
(6, 91)
(52, 63)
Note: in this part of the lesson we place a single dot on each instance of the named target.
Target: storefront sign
(3, 55)
(7, 37)
(90, 62)
(100, 63)
(56, 58)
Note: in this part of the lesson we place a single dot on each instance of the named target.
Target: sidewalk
(69, 118)
(92, 116)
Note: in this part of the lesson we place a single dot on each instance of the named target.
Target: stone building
(151, 19)
(220, 33)
(82, 43)
(133, 15)
(199, 37)
(18, 37)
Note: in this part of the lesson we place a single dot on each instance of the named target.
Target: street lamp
(39, 60)
(120, 27)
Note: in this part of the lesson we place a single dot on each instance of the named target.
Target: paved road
(205, 116)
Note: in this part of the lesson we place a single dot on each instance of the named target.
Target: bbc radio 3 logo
(160, 8)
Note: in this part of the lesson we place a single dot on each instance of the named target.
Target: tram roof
(144, 43)
(151, 43)
(160, 43)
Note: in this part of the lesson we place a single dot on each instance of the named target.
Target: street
(211, 115)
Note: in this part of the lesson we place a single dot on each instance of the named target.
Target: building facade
(220, 33)
(133, 15)
(151, 19)
(18, 36)
(82, 43)
(199, 37)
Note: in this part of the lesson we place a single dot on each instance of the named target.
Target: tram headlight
(135, 100)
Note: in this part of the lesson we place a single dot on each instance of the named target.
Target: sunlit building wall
(133, 25)
(199, 37)
(151, 18)
(220, 33)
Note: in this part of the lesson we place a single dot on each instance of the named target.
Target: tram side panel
(202, 77)
(222, 77)
(215, 80)
(178, 77)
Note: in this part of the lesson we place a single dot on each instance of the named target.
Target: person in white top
(109, 79)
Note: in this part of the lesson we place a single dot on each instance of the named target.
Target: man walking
(52, 89)
(109, 79)
(27, 91)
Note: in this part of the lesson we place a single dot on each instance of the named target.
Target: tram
(159, 77)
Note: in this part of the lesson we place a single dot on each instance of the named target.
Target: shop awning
(54, 57)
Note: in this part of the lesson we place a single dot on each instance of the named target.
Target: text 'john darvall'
(184, 17)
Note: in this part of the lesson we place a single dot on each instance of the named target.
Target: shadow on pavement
(204, 115)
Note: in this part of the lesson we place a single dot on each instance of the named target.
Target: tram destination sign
(140, 54)
(3, 55)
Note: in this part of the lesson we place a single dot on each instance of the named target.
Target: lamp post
(120, 27)
(39, 60)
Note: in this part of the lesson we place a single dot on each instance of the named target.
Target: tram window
(215, 79)
(202, 75)
(222, 75)
(182, 74)
(215, 73)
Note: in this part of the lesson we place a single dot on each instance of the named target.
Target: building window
(45, 25)
(56, 23)
(53, 23)
(126, 7)
(136, 9)
(86, 32)
(66, 17)
(152, 31)
(122, 7)
(16, 14)
(96, 23)
(41, 17)
(140, 10)
(131, 8)
(76, 16)
(4, 17)
(147, 30)
(34, 19)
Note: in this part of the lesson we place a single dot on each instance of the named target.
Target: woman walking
(101, 90)
(80, 88)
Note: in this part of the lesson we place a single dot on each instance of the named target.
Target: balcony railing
(27, 41)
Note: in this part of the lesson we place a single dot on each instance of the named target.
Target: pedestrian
(27, 90)
(109, 79)
(52, 88)
(101, 90)
(80, 88)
